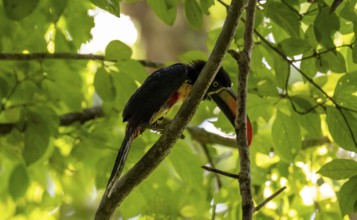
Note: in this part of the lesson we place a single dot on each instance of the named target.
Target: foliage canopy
(57, 149)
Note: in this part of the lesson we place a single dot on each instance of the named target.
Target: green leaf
(321, 81)
(133, 69)
(310, 37)
(64, 83)
(302, 103)
(188, 172)
(282, 70)
(3, 88)
(308, 66)
(339, 130)
(286, 19)
(286, 137)
(164, 9)
(61, 43)
(335, 61)
(78, 14)
(70, 37)
(117, 50)
(349, 12)
(42, 123)
(311, 123)
(265, 87)
(321, 65)
(292, 46)
(345, 90)
(339, 169)
(56, 8)
(283, 169)
(205, 5)
(347, 197)
(18, 9)
(191, 55)
(18, 182)
(111, 6)
(24, 93)
(258, 107)
(325, 26)
(193, 14)
(103, 83)
(131, 74)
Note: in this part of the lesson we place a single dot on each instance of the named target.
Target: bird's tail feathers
(130, 134)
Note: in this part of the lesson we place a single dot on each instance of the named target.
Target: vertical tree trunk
(162, 42)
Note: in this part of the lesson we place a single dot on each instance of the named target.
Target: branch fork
(162, 147)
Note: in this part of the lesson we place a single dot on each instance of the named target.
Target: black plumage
(159, 92)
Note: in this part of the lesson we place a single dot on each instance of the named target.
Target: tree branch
(261, 205)
(221, 172)
(162, 147)
(240, 122)
(70, 56)
(204, 137)
(87, 115)
(65, 120)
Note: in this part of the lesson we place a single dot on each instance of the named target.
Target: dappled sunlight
(308, 195)
(102, 33)
(59, 59)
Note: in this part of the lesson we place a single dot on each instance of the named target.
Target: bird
(159, 92)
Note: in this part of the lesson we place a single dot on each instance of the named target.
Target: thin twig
(224, 4)
(71, 56)
(223, 173)
(312, 108)
(261, 205)
(211, 163)
(293, 9)
(348, 109)
(214, 207)
(317, 54)
(42, 56)
(313, 10)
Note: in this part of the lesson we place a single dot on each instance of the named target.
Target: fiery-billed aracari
(159, 92)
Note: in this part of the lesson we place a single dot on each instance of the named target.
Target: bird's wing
(154, 93)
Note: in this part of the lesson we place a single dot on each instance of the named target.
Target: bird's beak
(226, 101)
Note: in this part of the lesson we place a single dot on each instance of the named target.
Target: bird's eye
(215, 84)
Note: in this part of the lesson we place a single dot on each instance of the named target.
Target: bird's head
(221, 93)
(222, 79)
